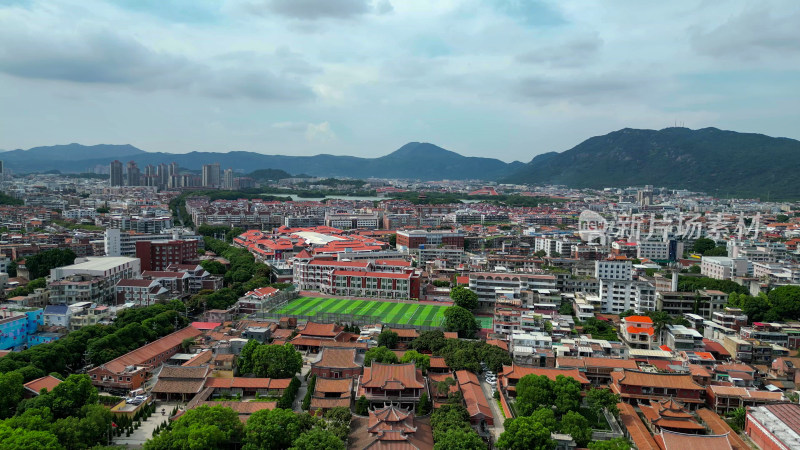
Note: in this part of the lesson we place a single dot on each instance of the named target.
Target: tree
(565, 309)
(448, 417)
(575, 425)
(694, 269)
(464, 297)
(600, 399)
(318, 439)
(11, 391)
(458, 439)
(71, 395)
(420, 361)
(24, 439)
(460, 320)
(534, 391)
(379, 354)
(613, 444)
(567, 391)
(785, 301)
(245, 364)
(271, 429)
(277, 361)
(738, 416)
(540, 253)
(432, 341)
(204, 427)
(525, 433)
(424, 406)
(362, 406)
(39, 265)
(702, 245)
(213, 267)
(388, 339)
(716, 251)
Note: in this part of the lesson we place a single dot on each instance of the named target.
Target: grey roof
(56, 309)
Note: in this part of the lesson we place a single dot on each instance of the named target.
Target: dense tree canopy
(276, 361)
(464, 297)
(381, 355)
(39, 265)
(204, 427)
(460, 320)
(525, 433)
(388, 339)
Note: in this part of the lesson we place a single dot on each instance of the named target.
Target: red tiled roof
(638, 319)
(333, 385)
(141, 355)
(349, 273)
(47, 382)
(248, 383)
(206, 325)
(473, 394)
(392, 376)
(679, 441)
(636, 429)
(497, 343)
(405, 332)
(637, 330)
(517, 372)
(338, 358)
(320, 329)
(661, 380)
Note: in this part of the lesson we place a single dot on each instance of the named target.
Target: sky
(507, 79)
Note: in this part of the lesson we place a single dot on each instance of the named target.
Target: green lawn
(486, 322)
(386, 312)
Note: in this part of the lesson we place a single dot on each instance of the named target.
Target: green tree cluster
(388, 339)
(460, 354)
(270, 361)
(780, 304)
(460, 320)
(451, 429)
(69, 416)
(464, 298)
(39, 265)
(380, 355)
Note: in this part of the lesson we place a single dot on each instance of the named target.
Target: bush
(309, 393)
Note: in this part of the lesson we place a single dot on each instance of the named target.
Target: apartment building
(158, 255)
(140, 292)
(723, 267)
(416, 238)
(491, 285)
(617, 296)
(705, 302)
(613, 270)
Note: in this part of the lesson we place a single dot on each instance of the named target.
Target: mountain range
(414, 160)
(715, 161)
(711, 160)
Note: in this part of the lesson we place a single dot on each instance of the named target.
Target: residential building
(115, 177)
(57, 315)
(723, 267)
(416, 238)
(93, 279)
(348, 221)
(18, 329)
(256, 300)
(511, 375)
(724, 399)
(617, 296)
(140, 292)
(493, 285)
(158, 255)
(638, 332)
(679, 338)
(613, 270)
(211, 175)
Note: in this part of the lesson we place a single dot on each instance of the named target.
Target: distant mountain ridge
(414, 160)
(715, 161)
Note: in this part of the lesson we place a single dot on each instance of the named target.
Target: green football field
(385, 312)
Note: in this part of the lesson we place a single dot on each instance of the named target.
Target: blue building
(18, 329)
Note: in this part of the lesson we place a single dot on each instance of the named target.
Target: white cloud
(319, 132)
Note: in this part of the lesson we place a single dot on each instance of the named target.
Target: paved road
(297, 406)
(498, 428)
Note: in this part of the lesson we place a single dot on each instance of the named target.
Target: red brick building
(415, 238)
(158, 255)
(774, 427)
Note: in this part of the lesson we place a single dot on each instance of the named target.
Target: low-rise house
(34, 387)
(724, 399)
(636, 386)
(57, 315)
(241, 386)
(140, 292)
(480, 413)
(338, 363)
(129, 371)
(774, 427)
(638, 332)
(256, 300)
(385, 384)
(331, 393)
(597, 370)
(180, 383)
(511, 375)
